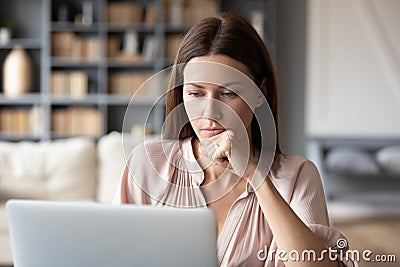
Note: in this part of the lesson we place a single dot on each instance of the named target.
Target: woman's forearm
(289, 231)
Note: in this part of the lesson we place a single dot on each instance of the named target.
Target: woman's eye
(228, 94)
(194, 94)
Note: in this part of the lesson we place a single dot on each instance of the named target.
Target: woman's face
(219, 95)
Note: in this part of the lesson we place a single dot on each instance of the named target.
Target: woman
(213, 154)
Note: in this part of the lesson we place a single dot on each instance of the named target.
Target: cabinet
(90, 56)
(352, 191)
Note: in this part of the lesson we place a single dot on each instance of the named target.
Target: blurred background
(69, 69)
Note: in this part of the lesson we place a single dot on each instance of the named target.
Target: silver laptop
(84, 234)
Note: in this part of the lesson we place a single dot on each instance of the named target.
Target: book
(127, 83)
(124, 13)
(79, 120)
(36, 121)
(113, 46)
(6, 120)
(78, 84)
(172, 44)
(20, 121)
(62, 43)
(196, 10)
(150, 46)
(150, 15)
(74, 84)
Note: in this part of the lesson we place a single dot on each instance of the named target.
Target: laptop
(69, 234)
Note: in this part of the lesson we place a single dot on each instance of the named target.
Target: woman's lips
(209, 132)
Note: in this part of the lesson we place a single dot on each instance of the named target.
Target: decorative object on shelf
(17, 72)
(87, 13)
(5, 32)
(131, 43)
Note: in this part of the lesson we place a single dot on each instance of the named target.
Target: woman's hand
(230, 152)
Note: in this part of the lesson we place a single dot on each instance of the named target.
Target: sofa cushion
(351, 160)
(54, 170)
(112, 153)
(389, 159)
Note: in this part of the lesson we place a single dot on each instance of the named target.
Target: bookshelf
(90, 56)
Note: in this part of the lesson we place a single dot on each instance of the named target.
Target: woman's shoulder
(157, 150)
(293, 160)
(288, 164)
(293, 174)
(156, 145)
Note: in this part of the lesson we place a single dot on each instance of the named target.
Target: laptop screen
(88, 234)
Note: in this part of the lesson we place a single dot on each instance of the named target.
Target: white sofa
(75, 169)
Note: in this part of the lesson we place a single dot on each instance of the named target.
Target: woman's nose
(212, 108)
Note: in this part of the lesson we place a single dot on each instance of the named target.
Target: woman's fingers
(218, 146)
(226, 151)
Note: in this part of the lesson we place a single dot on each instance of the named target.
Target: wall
(290, 48)
(353, 66)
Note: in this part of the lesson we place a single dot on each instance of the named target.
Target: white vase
(17, 73)
(5, 35)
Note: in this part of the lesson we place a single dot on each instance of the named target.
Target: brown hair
(230, 35)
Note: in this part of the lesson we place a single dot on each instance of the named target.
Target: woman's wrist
(250, 171)
(257, 177)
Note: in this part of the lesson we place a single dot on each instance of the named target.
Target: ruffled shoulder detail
(160, 169)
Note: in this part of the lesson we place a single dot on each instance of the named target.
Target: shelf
(69, 100)
(26, 99)
(14, 137)
(70, 26)
(363, 177)
(366, 143)
(120, 100)
(113, 63)
(72, 63)
(26, 43)
(63, 136)
(123, 28)
(176, 28)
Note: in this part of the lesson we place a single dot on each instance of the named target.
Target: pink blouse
(166, 173)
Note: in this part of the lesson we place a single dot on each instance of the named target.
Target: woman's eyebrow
(225, 85)
(195, 85)
(228, 84)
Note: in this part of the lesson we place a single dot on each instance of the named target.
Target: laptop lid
(88, 234)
